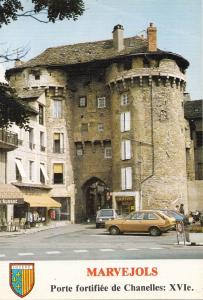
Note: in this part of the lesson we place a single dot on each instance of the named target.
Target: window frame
(126, 178)
(106, 149)
(57, 110)
(41, 114)
(81, 98)
(101, 102)
(62, 174)
(125, 121)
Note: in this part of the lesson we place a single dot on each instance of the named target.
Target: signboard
(125, 198)
(11, 201)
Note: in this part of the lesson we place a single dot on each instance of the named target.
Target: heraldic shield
(22, 278)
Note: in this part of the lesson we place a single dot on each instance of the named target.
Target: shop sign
(11, 201)
(125, 198)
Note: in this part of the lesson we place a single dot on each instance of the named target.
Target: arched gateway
(96, 196)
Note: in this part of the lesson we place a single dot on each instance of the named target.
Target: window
(83, 101)
(107, 152)
(31, 170)
(57, 109)
(125, 121)
(42, 147)
(126, 178)
(42, 178)
(124, 99)
(199, 138)
(100, 127)
(79, 152)
(101, 102)
(43, 173)
(20, 173)
(41, 114)
(31, 138)
(150, 216)
(58, 173)
(126, 149)
(137, 216)
(58, 142)
(84, 127)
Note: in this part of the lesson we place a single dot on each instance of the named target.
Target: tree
(41, 10)
(12, 109)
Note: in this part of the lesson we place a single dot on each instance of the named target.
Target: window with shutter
(125, 121)
(126, 149)
(126, 178)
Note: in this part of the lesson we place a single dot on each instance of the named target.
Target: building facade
(114, 122)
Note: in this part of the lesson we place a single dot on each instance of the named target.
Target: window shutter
(127, 149)
(122, 120)
(127, 121)
(123, 150)
(123, 177)
(128, 178)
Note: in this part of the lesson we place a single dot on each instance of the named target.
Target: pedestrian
(177, 208)
(181, 209)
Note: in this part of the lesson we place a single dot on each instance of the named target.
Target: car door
(150, 219)
(134, 222)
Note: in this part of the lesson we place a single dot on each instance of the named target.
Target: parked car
(173, 214)
(104, 215)
(151, 221)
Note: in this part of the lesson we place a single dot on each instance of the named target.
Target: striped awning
(41, 200)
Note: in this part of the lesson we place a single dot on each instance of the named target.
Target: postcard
(101, 149)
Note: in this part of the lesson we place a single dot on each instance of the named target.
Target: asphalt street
(84, 241)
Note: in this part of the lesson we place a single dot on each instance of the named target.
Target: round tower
(148, 141)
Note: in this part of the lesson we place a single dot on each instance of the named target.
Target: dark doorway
(95, 196)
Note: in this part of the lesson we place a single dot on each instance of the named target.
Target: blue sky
(178, 22)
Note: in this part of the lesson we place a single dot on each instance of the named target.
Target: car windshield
(106, 213)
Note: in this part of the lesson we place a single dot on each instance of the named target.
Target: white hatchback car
(104, 215)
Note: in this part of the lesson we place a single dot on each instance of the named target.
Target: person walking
(181, 209)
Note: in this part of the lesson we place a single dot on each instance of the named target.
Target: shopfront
(10, 197)
(125, 202)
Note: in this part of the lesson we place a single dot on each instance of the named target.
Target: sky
(179, 25)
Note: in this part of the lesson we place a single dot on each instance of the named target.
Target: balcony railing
(8, 140)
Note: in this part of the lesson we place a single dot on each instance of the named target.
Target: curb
(33, 230)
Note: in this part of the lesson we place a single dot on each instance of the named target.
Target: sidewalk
(52, 225)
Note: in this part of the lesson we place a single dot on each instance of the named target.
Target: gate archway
(95, 196)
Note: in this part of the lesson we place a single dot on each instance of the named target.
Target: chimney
(151, 38)
(18, 62)
(118, 41)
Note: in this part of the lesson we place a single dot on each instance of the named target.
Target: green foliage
(13, 109)
(49, 10)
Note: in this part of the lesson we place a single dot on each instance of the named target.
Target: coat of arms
(22, 278)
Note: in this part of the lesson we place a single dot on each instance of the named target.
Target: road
(79, 241)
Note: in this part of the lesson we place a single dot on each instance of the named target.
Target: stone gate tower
(115, 122)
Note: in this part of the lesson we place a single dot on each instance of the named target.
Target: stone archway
(95, 196)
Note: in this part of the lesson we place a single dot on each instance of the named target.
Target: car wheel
(154, 231)
(114, 230)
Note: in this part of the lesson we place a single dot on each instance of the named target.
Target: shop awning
(41, 200)
(10, 194)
